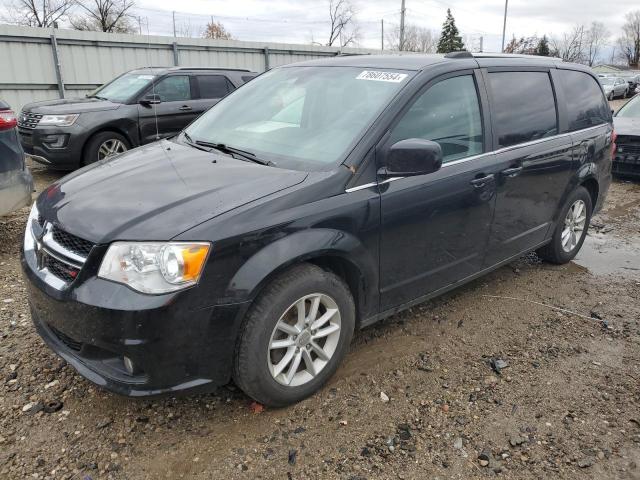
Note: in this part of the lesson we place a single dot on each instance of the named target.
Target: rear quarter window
(214, 86)
(523, 107)
(586, 105)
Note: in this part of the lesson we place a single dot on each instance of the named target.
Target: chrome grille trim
(29, 120)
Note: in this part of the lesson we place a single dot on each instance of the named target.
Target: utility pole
(174, 24)
(504, 24)
(382, 34)
(481, 43)
(139, 24)
(402, 12)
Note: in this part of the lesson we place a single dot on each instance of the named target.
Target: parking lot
(416, 398)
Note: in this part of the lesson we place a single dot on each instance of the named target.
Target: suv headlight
(155, 267)
(58, 120)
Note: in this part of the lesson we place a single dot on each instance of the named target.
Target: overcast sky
(306, 20)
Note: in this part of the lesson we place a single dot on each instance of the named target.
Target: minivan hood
(157, 192)
(627, 126)
(68, 106)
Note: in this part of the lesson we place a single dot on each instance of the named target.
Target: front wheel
(104, 145)
(610, 96)
(295, 336)
(571, 230)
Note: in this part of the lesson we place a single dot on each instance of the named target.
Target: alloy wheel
(304, 340)
(574, 225)
(111, 147)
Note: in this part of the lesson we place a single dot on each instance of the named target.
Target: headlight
(58, 120)
(154, 267)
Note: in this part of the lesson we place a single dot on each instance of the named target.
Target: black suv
(318, 199)
(135, 108)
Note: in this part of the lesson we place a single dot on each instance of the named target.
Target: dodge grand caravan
(318, 199)
(135, 108)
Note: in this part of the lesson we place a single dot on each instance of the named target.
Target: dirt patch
(565, 405)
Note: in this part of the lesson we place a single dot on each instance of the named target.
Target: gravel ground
(416, 398)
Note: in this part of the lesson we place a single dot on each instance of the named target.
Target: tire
(555, 251)
(256, 361)
(95, 148)
(610, 97)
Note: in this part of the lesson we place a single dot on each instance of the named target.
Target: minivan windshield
(607, 81)
(123, 88)
(303, 118)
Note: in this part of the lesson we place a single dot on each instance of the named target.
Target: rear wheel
(295, 336)
(571, 230)
(104, 145)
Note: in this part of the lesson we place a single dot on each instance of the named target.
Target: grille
(628, 148)
(72, 243)
(67, 340)
(60, 269)
(29, 120)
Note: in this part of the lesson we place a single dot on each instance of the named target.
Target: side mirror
(411, 157)
(151, 99)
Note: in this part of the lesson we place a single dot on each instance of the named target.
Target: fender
(307, 245)
(587, 170)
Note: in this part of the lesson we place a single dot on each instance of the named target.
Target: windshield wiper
(98, 97)
(250, 156)
(189, 141)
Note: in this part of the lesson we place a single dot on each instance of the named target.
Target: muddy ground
(416, 398)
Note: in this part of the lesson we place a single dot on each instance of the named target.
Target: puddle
(605, 255)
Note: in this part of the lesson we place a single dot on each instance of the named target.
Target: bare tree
(522, 45)
(105, 16)
(344, 30)
(216, 31)
(570, 47)
(186, 29)
(416, 39)
(594, 40)
(629, 42)
(38, 13)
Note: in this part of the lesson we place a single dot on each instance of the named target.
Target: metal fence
(41, 64)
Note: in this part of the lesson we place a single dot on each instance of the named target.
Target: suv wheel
(571, 229)
(295, 336)
(104, 145)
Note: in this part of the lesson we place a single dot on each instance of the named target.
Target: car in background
(626, 158)
(632, 79)
(136, 108)
(16, 183)
(614, 87)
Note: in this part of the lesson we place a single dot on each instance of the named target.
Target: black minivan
(136, 108)
(317, 199)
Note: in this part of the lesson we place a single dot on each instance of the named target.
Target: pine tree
(450, 40)
(543, 47)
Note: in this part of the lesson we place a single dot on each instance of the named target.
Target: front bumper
(173, 348)
(56, 147)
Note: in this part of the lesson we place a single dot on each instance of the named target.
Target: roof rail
(459, 54)
(211, 68)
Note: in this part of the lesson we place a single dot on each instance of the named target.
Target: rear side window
(174, 89)
(524, 107)
(448, 113)
(586, 106)
(214, 86)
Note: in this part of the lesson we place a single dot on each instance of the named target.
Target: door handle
(185, 108)
(482, 181)
(511, 172)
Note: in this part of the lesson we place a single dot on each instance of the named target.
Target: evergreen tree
(450, 40)
(543, 47)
